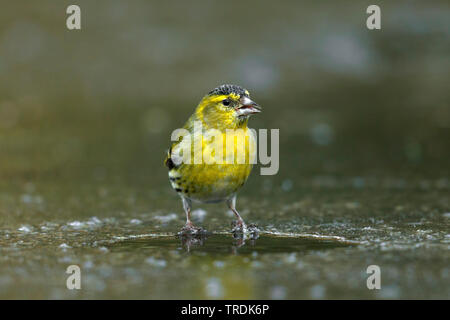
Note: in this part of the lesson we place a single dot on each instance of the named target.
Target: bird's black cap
(229, 88)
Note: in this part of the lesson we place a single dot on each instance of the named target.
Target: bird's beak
(247, 106)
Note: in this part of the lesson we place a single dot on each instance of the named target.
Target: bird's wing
(172, 159)
(168, 161)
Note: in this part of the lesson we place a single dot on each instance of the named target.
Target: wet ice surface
(364, 174)
(315, 246)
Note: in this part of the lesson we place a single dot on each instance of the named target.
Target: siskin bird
(225, 109)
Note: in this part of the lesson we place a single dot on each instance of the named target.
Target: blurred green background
(107, 97)
(86, 116)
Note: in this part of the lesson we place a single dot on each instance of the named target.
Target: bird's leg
(189, 226)
(240, 229)
(187, 209)
(239, 224)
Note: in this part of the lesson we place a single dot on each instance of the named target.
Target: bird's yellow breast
(220, 169)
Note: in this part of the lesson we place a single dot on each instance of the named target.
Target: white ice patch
(278, 293)
(214, 288)
(135, 221)
(91, 223)
(317, 292)
(75, 224)
(30, 199)
(287, 184)
(94, 221)
(156, 262)
(199, 214)
(166, 218)
(25, 229)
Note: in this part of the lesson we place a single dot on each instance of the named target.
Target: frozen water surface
(318, 247)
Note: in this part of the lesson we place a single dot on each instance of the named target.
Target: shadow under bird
(225, 109)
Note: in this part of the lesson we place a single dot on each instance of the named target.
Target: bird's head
(227, 106)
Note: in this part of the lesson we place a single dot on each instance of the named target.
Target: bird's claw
(253, 231)
(241, 230)
(238, 226)
(190, 229)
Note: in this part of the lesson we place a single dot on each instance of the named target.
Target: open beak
(247, 106)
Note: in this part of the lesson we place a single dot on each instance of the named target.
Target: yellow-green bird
(223, 111)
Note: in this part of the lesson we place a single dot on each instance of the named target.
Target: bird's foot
(241, 230)
(238, 226)
(190, 229)
(253, 231)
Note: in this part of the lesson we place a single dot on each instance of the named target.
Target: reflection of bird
(226, 107)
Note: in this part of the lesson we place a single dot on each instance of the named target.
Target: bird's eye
(226, 102)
